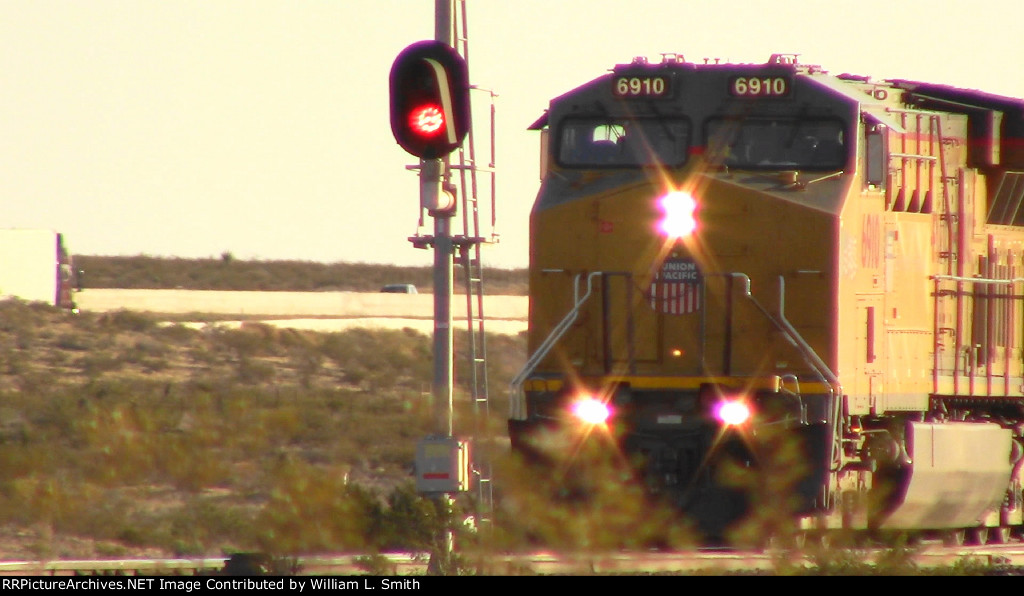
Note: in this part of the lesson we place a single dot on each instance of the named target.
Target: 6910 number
(759, 86)
(641, 86)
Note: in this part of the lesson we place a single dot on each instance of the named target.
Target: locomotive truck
(724, 252)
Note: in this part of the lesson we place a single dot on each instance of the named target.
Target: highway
(318, 311)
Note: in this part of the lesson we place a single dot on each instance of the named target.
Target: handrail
(810, 356)
(979, 280)
(817, 364)
(556, 334)
(833, 381)
(805, 348)
(783, 325)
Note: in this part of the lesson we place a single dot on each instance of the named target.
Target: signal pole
(443, 262)
(432, 175)
(443, 274)
(430, 117)
(432, 179)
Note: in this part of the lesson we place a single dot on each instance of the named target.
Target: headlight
(591, 410)
(679, 217)
(732, 412)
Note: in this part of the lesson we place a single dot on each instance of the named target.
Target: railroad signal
(429, 87)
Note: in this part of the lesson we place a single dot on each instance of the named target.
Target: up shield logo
(676, 287)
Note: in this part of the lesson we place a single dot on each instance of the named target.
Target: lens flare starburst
(591, 411)
(679, 209)
(733, 412)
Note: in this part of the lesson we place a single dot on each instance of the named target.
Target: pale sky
(259, 127)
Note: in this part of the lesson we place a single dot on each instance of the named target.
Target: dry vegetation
(123, 435)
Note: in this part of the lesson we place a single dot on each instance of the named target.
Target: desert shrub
(95, 364)
(315, 510)
(587, 499)
(74, 341)
(202, 523)
(127, 320)
(410, 521)
(176, 333)
(18, 315)
(253, 372)
(380, 359)
(250, 340)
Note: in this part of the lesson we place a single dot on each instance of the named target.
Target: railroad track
(1008, 558)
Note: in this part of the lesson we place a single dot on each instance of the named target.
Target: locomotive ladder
(469, 245)
(951, 216)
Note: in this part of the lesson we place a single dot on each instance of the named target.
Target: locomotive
(725, 252)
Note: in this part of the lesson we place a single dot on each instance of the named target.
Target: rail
(1007, 559)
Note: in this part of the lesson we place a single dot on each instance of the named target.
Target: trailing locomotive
(722, 253)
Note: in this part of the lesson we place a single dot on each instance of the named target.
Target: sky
(260, 128)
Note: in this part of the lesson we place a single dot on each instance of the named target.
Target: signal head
(429, 92)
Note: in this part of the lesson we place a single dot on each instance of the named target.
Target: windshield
(593, 142)
(772, 144)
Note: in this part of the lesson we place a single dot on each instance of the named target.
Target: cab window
(601, 142)
(777, 143)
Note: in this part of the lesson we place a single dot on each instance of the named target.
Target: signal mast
(430, 118)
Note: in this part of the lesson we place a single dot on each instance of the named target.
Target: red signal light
(427, 120)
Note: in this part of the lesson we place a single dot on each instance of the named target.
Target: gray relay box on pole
(442, 465)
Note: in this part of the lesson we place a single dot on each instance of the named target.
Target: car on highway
(399, 289)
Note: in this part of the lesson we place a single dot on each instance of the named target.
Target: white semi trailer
(36, 266)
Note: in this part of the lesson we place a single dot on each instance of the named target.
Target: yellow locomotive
(721, 252)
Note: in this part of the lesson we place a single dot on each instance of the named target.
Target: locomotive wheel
(906, 538)
(978, 536)
(825, 539)
(953, 537)
(814, 539)
(810, 539)
(1016, 534)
